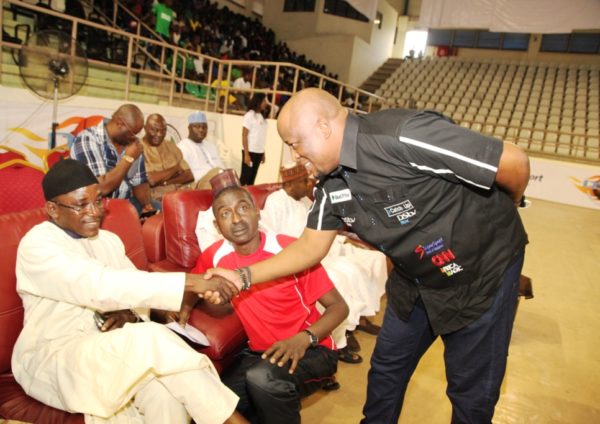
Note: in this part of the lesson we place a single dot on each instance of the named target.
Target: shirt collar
(348, 151)
(72, 234)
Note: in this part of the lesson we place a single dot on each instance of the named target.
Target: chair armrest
(153, 234)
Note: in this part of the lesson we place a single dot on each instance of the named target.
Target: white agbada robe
(62, 359)
(365, 277)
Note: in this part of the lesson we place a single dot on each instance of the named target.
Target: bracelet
(245, 275)
(128, 158)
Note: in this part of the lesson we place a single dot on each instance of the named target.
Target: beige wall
(338, 63)
(351, 49)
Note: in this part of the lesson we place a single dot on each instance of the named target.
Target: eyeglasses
(98, 204)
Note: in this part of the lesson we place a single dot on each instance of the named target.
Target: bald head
(130, 113)
(312, 123)
(155, 129)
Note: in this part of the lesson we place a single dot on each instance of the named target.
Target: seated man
(166, 169)
(201, 155)
(114, 154)
(290, 351)
(286, 212)
(68, 269)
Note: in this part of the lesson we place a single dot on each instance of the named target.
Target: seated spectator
(73, 353)
(244, 82)
(286, 212)
(166, 169)
(114, 154)
(201, 155)
(290, 352)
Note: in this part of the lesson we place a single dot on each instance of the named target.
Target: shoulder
(284, 240)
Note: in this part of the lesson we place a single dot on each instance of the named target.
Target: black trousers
(270, 394)
(475, 358)
(249, 172)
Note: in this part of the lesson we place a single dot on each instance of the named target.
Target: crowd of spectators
(203, 27)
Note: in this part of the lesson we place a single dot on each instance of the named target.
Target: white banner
(528, 16)
(564, 182)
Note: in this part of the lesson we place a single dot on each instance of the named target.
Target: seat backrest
(120, 218)
(260, 192)
(8, 154)
(180, 214)
(21, 186)
(54, 155)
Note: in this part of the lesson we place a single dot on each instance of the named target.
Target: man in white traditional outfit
(359, 274)
(201, 155)
(69, 271)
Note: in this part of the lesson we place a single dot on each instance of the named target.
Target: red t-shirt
(276, 310)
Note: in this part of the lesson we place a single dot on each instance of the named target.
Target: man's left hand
(117, 319)
(292, 348)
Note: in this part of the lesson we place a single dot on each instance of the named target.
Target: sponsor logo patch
(430, 248)
(340, 196)
(348, 220)
(402, 211)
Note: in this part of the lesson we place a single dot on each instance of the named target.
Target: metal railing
(163, 65)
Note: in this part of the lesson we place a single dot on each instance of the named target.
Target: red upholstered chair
(121, 218)
(54, 155)
(21, 184)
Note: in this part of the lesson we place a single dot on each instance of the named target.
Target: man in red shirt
(290, 352)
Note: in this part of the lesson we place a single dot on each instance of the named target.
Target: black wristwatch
(314, 340)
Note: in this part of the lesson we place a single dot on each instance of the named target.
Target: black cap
(65, 176)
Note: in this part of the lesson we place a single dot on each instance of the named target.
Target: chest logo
(348, 220)
(340, 196)
(402, 210)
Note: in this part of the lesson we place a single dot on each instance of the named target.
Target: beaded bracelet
(245, 275)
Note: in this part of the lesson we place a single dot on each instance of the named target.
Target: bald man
(113, 152)
(440, 201)
(166, 169)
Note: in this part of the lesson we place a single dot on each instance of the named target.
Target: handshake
(216, 286)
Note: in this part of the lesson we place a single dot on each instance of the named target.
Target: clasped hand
(291, 349)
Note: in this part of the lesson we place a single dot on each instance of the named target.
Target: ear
(52, 210)
(324, 127)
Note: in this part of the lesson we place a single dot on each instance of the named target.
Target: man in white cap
(201, 155)
(76, 355)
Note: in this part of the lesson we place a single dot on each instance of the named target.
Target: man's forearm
(302, 254)
(111, 181)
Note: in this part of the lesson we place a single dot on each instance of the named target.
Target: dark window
(342, 8)
(584, 43)
(440, 37)
(464, 38)
(299, 6)
(555, 43)
(515, 41)
(489, 40)
(579, 42)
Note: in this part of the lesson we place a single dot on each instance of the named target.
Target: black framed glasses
(97, 204)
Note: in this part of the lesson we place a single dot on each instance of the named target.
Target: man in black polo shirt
(440, 202)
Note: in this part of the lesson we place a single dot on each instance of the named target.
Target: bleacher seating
(543, 107)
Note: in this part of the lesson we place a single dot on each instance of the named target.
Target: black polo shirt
(421, 190)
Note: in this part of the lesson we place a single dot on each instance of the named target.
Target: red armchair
(121, 218)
